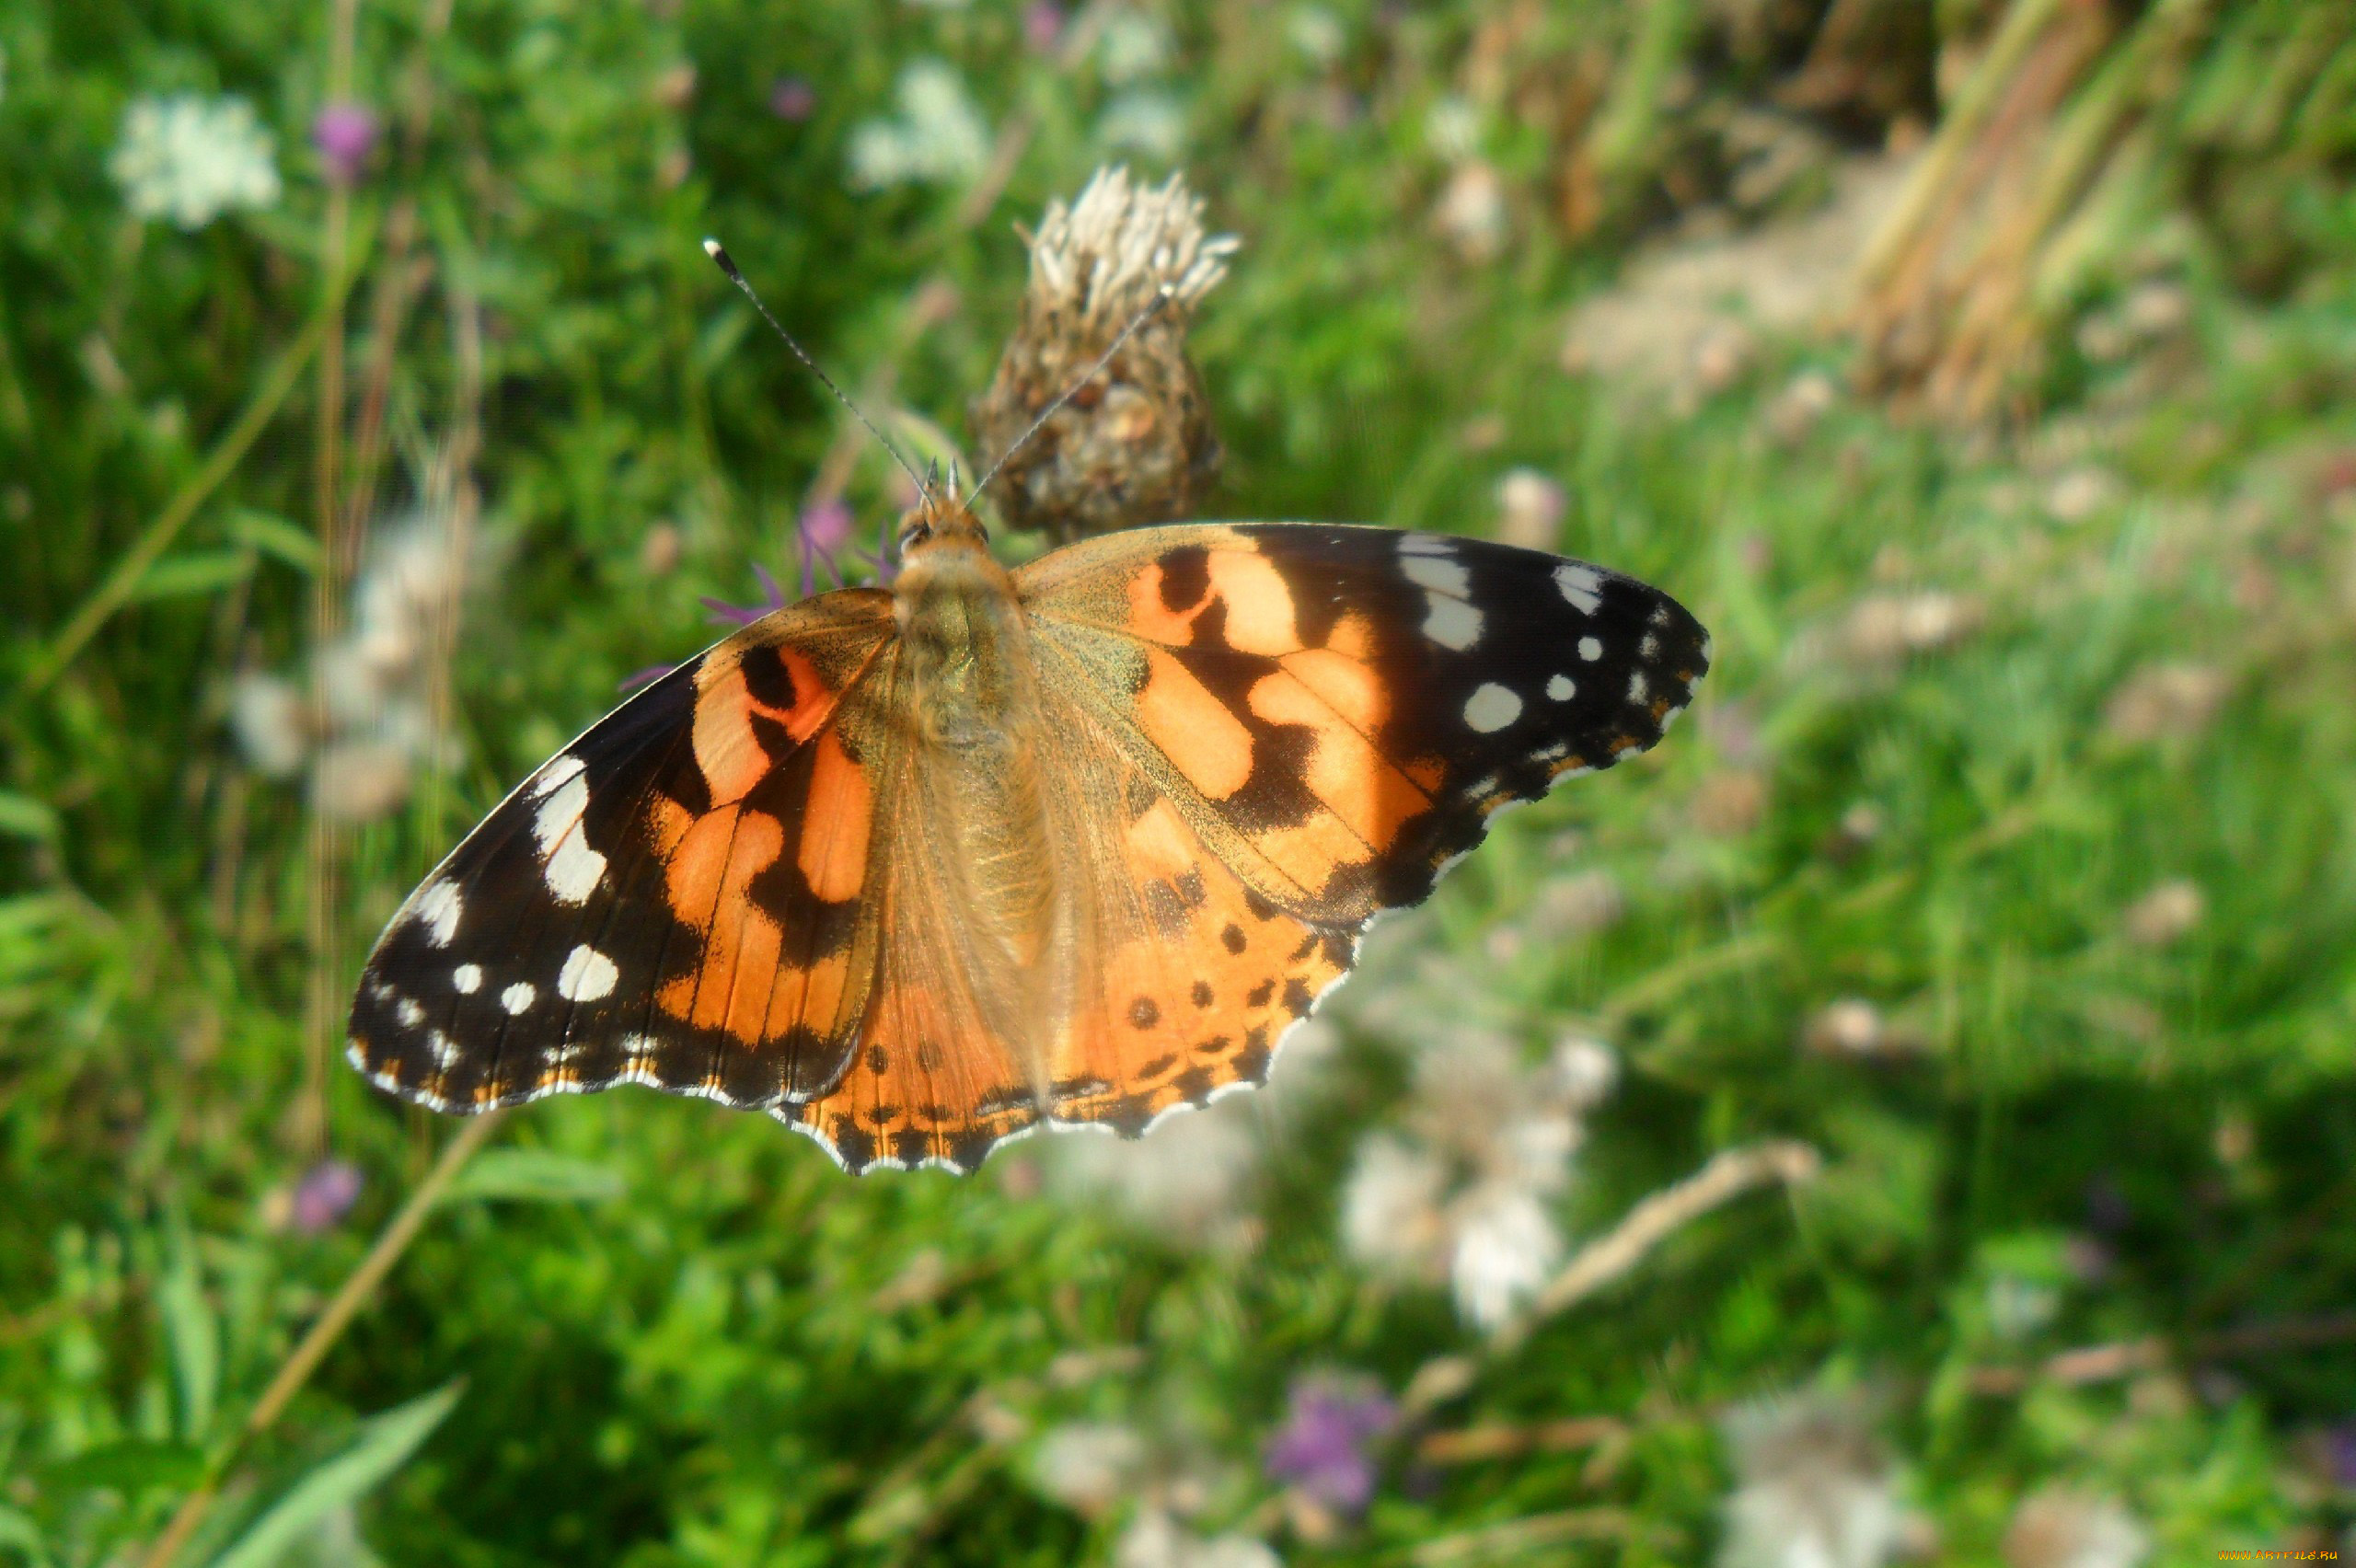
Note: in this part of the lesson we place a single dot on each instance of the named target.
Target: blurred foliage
(2005, 859)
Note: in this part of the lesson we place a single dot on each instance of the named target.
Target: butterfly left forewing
(675, 899)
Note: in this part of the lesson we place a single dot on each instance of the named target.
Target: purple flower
(823, 528)
(325, 1195)
(1043, 25)
(773, 598)
(2339, 1452)
(1323, 1445)
(344, 134)
(792, 98)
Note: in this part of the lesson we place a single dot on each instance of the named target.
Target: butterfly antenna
(727, 264)
(1161, 296)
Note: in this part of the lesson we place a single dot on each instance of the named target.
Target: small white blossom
(2058, 1527)
(1391, 1214)
(1184, 1182)
(266, 715)
(1086, 1465)
(1146, 121)
(1452, 129)
(1506, 1247)
(1816, 1490)
(1131, 45)
(1154, 1539)
(939, 136)
(191, 159)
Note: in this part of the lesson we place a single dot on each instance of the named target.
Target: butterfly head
(943, 518)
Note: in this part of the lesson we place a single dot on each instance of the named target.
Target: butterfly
(916, 870)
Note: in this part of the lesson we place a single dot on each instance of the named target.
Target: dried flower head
(1134, 446)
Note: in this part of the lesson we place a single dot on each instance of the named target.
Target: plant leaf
(131, 1465)
(24, 817)
(200, 571)
(385, 1442)
(275, 537)
(533, 1175)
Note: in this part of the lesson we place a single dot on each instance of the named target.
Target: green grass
(698, 1370)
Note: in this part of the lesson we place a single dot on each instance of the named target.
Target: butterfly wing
(1335, 712)
(677, 898)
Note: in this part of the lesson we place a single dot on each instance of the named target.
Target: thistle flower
(344, 134)
(1135, 445)
(191, 159)
(324, 1196)
(939, 136)
(792, 98)
(1322, 1448)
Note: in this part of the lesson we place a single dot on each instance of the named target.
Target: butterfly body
(917, 870)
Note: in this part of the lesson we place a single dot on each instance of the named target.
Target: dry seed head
(1135, 446)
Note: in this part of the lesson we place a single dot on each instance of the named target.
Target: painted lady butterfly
(913, 869)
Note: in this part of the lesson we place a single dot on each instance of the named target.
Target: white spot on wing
(1562, 688)
(439, 906)
(467, 978)
(587, 976)
(408, 1012)
(445, 1049)
(1582, 585)
(1492, 708)
(1452, 623)
(1591, 649)
(1636, 685)
(1441, 573)
(556, 774)
(1426, 545)
(573, 870)
(518, 997)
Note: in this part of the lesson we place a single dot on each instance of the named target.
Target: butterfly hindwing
(1337, 710)
(673, 899)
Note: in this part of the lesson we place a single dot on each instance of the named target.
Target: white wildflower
(1391, 1216)
(1184, 1182)
(266, 714)
(1529, 509)
(1086, 1465)
(1154, 1539)
(1505, 1246)
(1131, 45)
(1146, 121)
(191, 159)
(2059, 1528)
(1318, 33)
(373, 723)
(1466, 1200)
(1815, 1489)
(1470, 213)
(1452, 129)
(939, 136)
